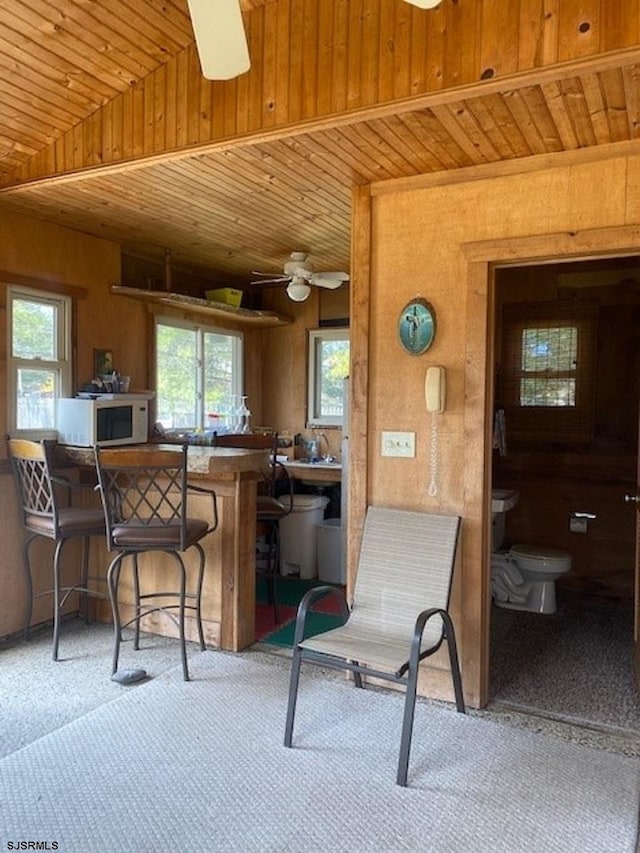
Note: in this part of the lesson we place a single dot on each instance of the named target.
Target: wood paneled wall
(319, 58)
(438, 241)
(44, 256)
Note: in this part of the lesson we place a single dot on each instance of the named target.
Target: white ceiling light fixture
(425, 4)
(298, 290)
(220, 38)
(299, 275)
(298, 265)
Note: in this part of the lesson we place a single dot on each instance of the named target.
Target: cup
(124, 383)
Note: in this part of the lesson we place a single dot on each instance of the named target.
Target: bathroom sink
(503, 500)
(324, 463)
(321, 472)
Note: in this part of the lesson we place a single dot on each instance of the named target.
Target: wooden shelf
(203, 306)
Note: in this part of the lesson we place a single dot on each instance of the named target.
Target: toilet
(524, 577)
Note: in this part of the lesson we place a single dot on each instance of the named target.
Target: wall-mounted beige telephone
(435, 391)
(435, 394)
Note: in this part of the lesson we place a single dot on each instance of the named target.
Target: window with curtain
(547, 371)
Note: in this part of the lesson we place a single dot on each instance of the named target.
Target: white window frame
(60, 366)
(316, 338)
(201, 330)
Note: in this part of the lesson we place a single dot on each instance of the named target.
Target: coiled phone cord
(432, 491)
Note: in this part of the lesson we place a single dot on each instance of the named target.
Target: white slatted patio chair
(399, 614)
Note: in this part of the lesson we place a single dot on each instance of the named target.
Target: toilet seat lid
(539, 552)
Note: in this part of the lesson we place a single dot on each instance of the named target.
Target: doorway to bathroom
(566, 399)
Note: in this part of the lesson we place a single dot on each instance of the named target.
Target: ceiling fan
(222, 41)
(220, 38)
(298, 275)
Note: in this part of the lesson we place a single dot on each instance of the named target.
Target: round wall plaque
(417, 326)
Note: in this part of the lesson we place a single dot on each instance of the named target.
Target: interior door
(635, 499)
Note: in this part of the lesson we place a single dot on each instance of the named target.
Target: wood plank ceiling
(236, 207)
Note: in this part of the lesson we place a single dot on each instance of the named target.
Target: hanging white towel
(507, 582)
(499, 590)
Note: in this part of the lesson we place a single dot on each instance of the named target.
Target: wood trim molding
(8, 277)
(562, 245)
(505, 168)
(476, 536)
(359, 299)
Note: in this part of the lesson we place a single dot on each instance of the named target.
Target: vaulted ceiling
(106, 127)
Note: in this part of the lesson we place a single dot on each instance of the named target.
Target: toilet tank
(502, 500)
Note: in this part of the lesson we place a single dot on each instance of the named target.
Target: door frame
(483, 257)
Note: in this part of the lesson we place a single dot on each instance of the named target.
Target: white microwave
(101, 422)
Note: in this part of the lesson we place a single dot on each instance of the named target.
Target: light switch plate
(398, 444)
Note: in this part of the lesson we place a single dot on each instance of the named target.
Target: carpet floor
(200, 766)
(38, 695)
(574, 665)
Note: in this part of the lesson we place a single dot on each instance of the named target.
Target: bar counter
(228, 598)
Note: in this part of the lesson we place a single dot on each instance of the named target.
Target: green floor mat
(289, 591)
(316, 623)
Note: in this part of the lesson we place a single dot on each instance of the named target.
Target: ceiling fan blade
(220, 38)
(280, 280)
(331, 280)
(424, 4)
(271, 274)
(331, 276)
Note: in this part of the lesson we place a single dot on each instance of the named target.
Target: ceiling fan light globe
(298, 291)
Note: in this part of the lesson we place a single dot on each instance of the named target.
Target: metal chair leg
(450, 637)
(181, 611)
(56, 597)
(85, 578)
(113, 578)
(293, 695)
(136, 593)
(198, 595)
(407, 725)
(272, 566)
(29, 582)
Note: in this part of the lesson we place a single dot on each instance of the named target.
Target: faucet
(311, 448)
(327, 456)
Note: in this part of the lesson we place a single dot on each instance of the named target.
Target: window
(39, 336)
(547, 371)
(328, 367)
(198, 372)
(549, 365)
